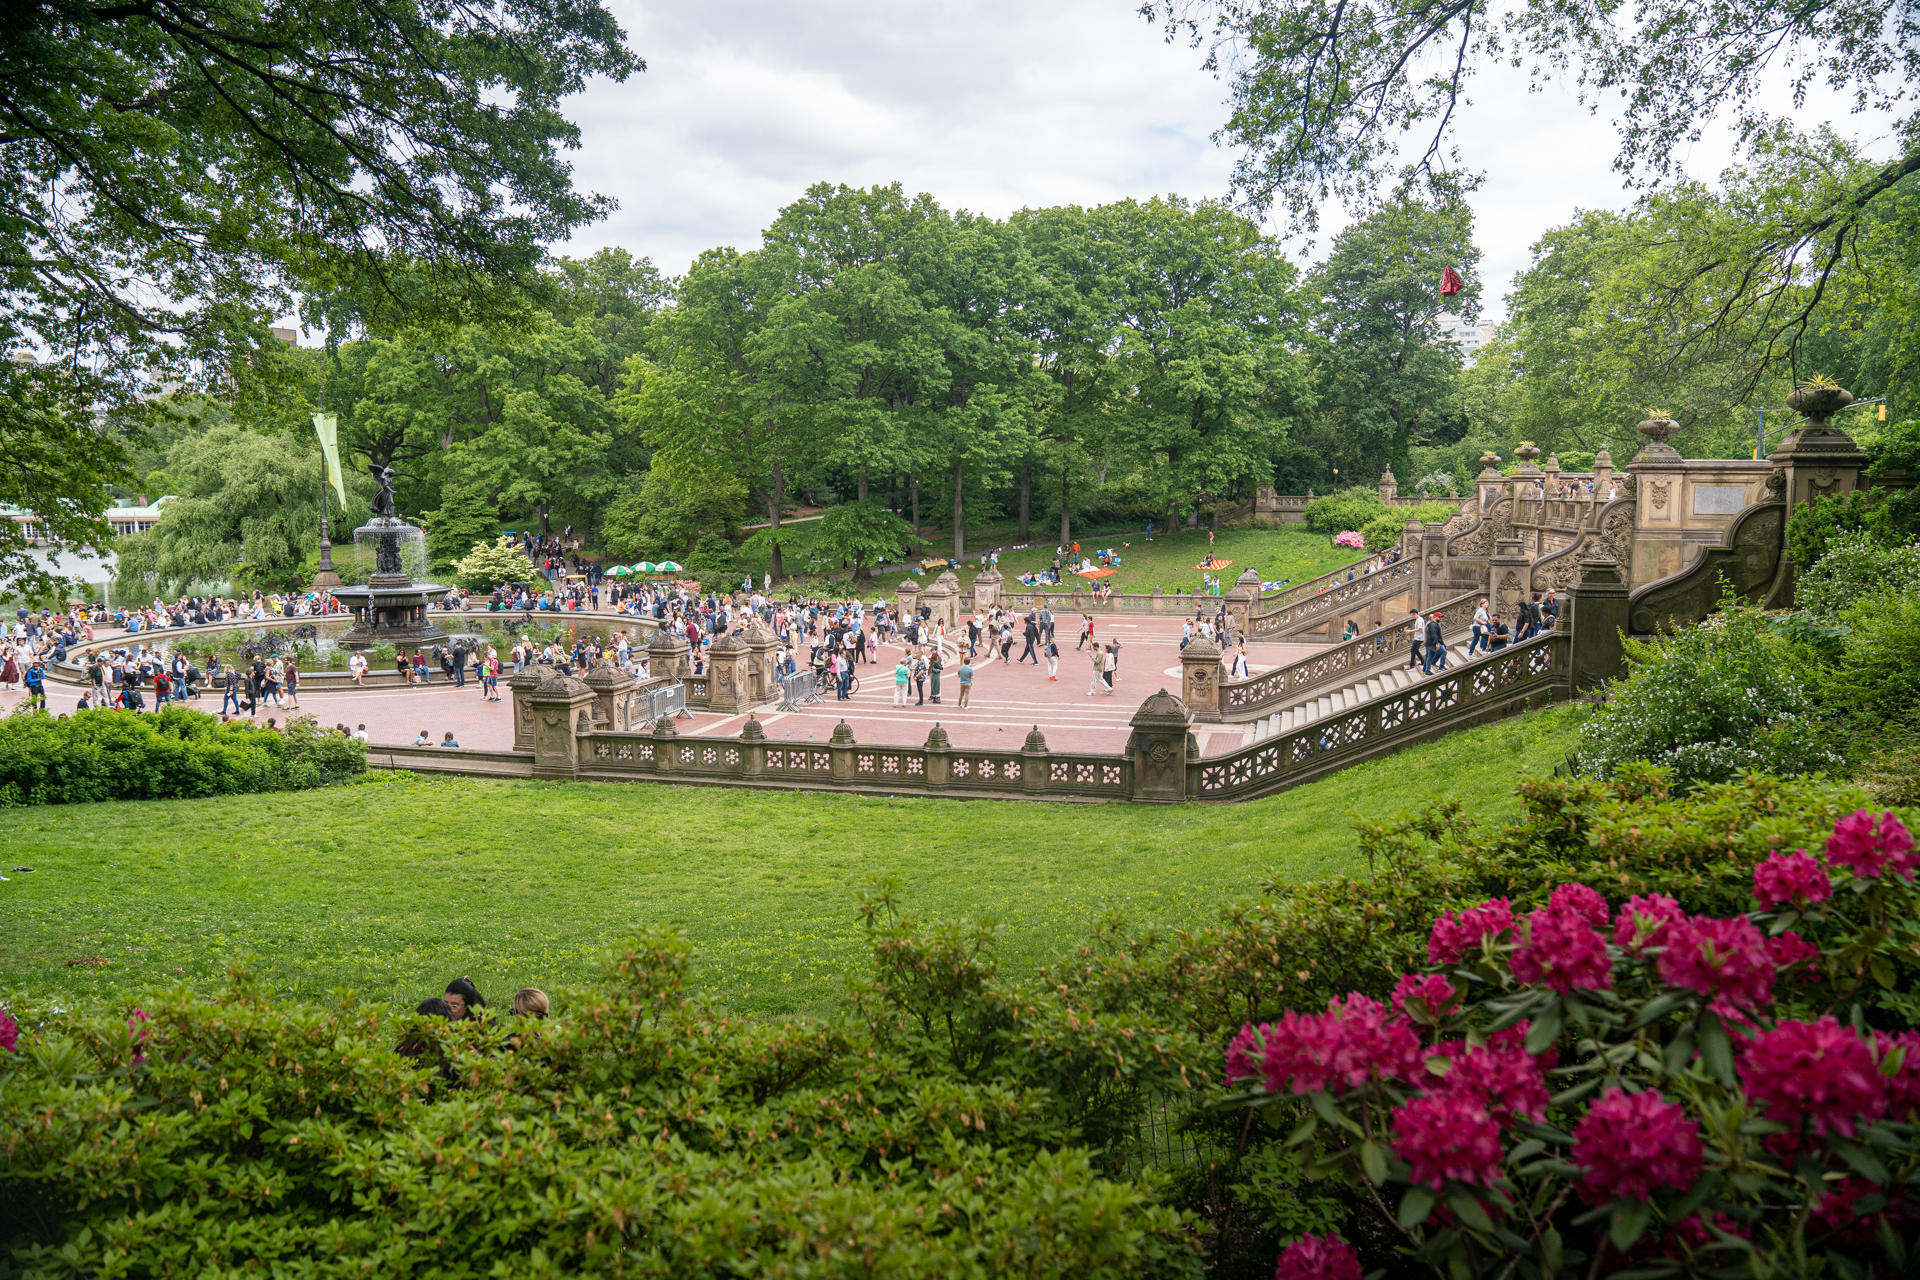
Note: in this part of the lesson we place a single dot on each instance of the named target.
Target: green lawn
(1168, 561)
(392, 887)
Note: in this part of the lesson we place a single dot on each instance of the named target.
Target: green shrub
(1384, 530)
(1813, 526)
(175, 754)
(1878, 680)
(1852, 565)
(1351, 509)
(1712, 702)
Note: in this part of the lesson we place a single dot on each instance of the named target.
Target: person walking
(1414, 633)
(1086, 632)
(903, 675)
(1052, 652)
(1099, 659)
(1110, 666)
(1436, 647)
(1478, 641)
(490, 679)
(292, 678)
(919, 680)
(965, 676)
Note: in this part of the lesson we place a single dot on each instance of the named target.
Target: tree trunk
(1026, 501)
(913, 496)
(860, 492)
(775, 497)
(1066, 522)
(959, 512)
(545, 526)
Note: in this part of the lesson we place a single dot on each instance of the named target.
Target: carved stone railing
(1610, 536)
(1314, 610)
(1748, 557)
(843, 764)
(1485, 688)
(1335, 666)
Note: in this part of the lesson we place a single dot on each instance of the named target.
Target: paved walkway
(1007, 700)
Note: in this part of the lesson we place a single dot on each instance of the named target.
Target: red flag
(1450, 282)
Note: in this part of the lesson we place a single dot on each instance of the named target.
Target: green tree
(248, 512)
(1383, 366)
(176, 173)
(1209, 322)
(463, 520)
(491, 564)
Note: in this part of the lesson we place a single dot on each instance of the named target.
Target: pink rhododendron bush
(1611, 1088)
(1350, 538)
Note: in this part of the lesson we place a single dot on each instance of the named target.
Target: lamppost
(325, 578)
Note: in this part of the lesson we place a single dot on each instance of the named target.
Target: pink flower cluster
(1318, 1258)
(1644, 919)
(1794, 879)
(9, 1032)
(1243, 1055)
(1501, 1075)
(1724, 960)
(1788, 949)
(1430, 989)
(1560, 949)
(1628, 1144)
(1817, 1073)
(1446, 1135)
(1355, 1041)
(1349, 538)
(1454, 936)
(1870, 846)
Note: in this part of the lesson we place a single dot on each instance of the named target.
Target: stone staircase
(1385, 680)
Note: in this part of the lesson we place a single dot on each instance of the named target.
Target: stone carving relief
(1823, 484)
(1660, 491)
(1479, 540)
(1614, 541)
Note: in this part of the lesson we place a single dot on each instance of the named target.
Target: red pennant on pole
(1450, 282)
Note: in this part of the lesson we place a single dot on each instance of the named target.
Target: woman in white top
(1239, 670)
(357, 668)
(1481, 624)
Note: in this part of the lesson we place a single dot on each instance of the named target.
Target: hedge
(174, 754)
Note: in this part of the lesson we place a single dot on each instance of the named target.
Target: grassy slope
(1166, 562)
(393, 887)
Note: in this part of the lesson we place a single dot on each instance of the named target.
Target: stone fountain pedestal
(392, 608)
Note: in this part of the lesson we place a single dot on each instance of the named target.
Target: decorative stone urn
(1489, 465)
(1657, 430)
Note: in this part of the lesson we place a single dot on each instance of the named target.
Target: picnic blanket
(1096, 573)
(1217, 564)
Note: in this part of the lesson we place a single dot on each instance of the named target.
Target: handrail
(1313, 608)
(1476, 690)
(1287, 685)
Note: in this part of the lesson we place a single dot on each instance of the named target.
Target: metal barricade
(670, 700)
(797, 687)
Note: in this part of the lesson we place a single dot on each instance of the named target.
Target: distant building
(1469, 337)
(125, 517)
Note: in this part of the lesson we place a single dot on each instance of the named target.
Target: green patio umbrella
(619, 571)
(668, 566)
(645, 566)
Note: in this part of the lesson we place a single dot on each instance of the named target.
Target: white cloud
(995, 105)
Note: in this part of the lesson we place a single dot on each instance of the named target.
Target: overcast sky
(991, 106)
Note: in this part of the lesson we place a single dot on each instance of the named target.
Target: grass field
(1168, 561)
(392, 887)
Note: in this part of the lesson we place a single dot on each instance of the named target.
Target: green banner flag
(328, 427)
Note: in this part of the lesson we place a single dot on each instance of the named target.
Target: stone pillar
(938, 747)
(1507, 578)
(728, 679)
(1242, 599)
(1488, 484)
(1160, 745)
(986, 589)
(1819, 459)
(519, 685)
(763, 647)
(1200, 674)
(1597, 606)
(1033, 762)
(1602, 473)
(1525, 476)
(1434, 570)
(1410, 538)
(942, 601)
(1658, 473)
(908, 598)
(840, 748)
(612, 691)
(1389, 487)
(666, 745)
(562, 708)
(753, 748)
(667, 655)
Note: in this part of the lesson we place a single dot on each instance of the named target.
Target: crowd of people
(1489, 632)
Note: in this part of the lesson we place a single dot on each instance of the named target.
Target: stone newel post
(520, 685)
(613, 692)
(1598, 605)
(562, 709)
(1507, 578)
(1242, 599)
(1161, 744)
(728, 658)
(1200, 673)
